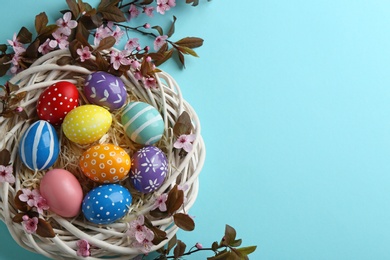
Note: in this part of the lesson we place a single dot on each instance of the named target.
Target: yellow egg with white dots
(86, 124)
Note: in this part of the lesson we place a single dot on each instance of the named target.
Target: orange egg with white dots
(105, 163)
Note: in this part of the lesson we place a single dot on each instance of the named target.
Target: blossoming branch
(82, 25)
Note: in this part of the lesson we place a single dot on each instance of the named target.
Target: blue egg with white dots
(106, 204)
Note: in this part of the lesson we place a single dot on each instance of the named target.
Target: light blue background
(293, 97)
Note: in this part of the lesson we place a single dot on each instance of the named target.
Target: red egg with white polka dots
(57, 101)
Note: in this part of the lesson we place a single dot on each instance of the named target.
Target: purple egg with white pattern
(149, 169)
(106, 90)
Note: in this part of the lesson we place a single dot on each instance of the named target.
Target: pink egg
(62, 192)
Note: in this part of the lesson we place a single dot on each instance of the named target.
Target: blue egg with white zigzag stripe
(38, 147)
(143, 123)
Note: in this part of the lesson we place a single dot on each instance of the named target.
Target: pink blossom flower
(83, 248)
(198, 245)
(66, 24)
(101, 33)
(30, 196)
(19, 109)
(146, 244)
(159, 41)
(185, 142)
(84, 53)
(171, 3)
(60, 40)
(148, 10)
(162, 6)
(15, 42)
(41, 204)
(132, 44)
(141, 235)
(45, 48)
(135, 64)
(165, 5)
(119, 58)
(160, 202)
(147, 26)
(150, 83)
(136, 229)
(117, 34)
(30, 224)
(133, 11)
(6, 174)
(138, 75)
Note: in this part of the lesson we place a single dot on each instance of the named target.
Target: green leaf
(113, 13)
(106, 43)
(171, 30)
(166, 56)
(175, 200)
(236, 243)
(20, 205)
(193, 2)
(74, 7)
(223, 255)
(181, 58)
(82, 34)
(187, 50)
(3, 47)
(5, 157)
(18, 218)
(190, 42)
(184, 221)
(44, 229)
(102, 63)
(4, 65)
(105, 3)
(41, 21)
(159, 29)
(230, 236)
(247, 250)
(215, 246)
(24, 35)
(73, 46)
(16, 98)
(32, 49)
(183, 125)
(171, 243)
(47, 32)
(179, 249)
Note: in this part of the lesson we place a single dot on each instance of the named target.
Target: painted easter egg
(86, 124)
(38, 147)
(149, 169)
(104, 89)
(106, 203)
(57, 101)
(62, 191)
(105, 163)
(142, 123)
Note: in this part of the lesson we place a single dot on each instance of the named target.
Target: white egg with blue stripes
(143, 123)
(39, 147)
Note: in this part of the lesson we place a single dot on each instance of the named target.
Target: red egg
(57, 101)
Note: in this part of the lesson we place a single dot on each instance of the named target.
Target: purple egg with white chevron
(106, 90)
(39, 146)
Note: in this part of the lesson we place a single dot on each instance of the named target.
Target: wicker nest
(107, 240)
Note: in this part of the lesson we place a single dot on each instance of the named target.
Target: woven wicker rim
(107, 240)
